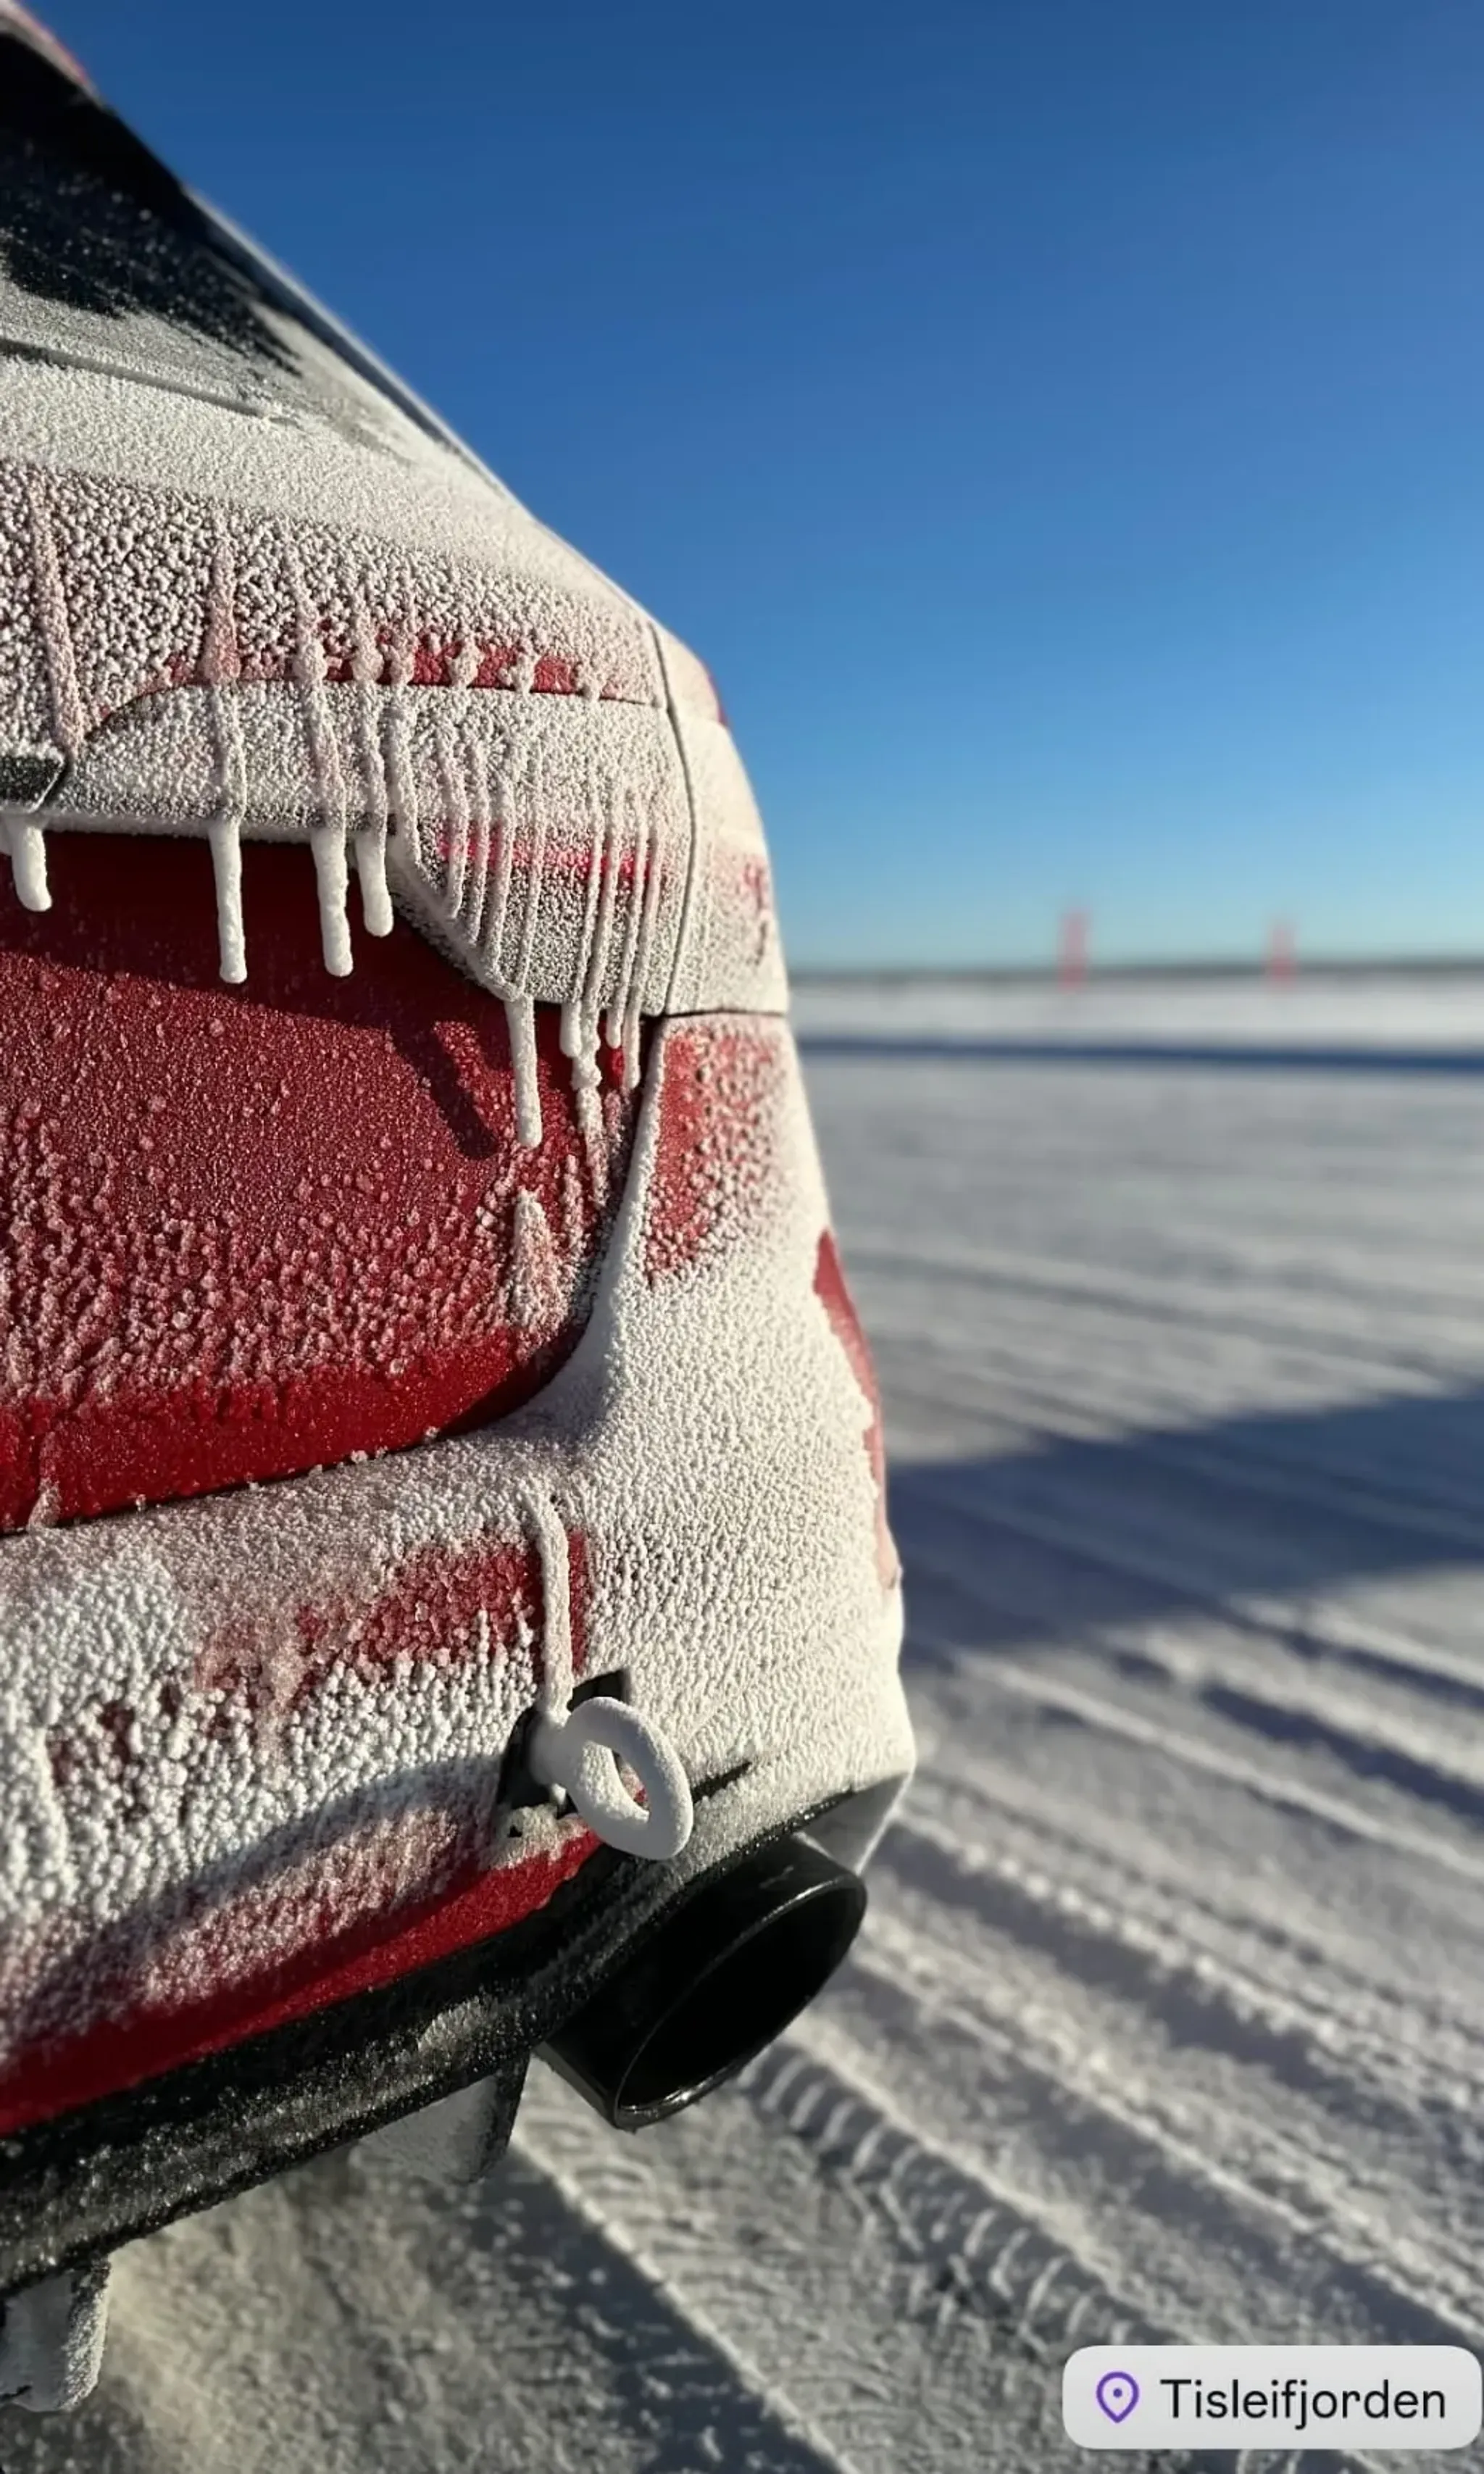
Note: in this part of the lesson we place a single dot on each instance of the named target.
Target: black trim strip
(88, 2180)
(76, 2186)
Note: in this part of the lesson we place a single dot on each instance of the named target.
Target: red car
(447, 1604)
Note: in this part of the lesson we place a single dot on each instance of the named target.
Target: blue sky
(1059, 423)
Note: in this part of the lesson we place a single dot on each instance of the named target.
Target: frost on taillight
(248, 1230)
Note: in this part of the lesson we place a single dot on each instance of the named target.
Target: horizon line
(1192, 967)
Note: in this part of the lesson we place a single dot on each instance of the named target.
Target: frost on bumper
(251, 1743)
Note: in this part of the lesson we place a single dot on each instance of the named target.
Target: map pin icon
(1118, 2394)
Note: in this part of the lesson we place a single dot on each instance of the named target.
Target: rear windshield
(103, 249)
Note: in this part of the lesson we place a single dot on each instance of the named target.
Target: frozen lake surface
(1168, 2018)
(1421, 1015)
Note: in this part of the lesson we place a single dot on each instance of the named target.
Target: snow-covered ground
(1416, 1011)
(1169, 2013)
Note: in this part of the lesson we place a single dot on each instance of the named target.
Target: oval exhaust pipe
(716, 1980)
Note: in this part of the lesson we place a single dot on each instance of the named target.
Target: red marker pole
(1282, 961)
(1071, 955)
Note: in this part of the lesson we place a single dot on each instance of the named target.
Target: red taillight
(248, 1230)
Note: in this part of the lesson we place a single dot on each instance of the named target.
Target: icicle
(578, 1039)
(521, 1027)
(658, 1821)
(225, 832)
(573, 1210)
(402, 790)
(221, 654)
(502, 822)
(370, 871)
(624, 981)
(554, 1687)
(595, 1135)
(327, 837)
(585, 1081)
(641, 975)
(221, 667)
(371, 834)
(455, 805)
(27, 862)
(579, 1032)
(605, 862)
(333, 880)
(575, 1011)
(401, 779)
(522, 975)
(478, 885)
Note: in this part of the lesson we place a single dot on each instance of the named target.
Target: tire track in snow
(1387, 1744)
(1197, 2001)
(658, 2330)
(1156, 2198)
(1039, 1879)
(961, 2306)
(354, 2315)
(1271, 1786)
(817, 2278)
(1337, 2136)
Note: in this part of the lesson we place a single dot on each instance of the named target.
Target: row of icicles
(583, 1020)
(391, 783)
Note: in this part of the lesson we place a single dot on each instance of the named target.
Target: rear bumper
(257, 1891)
